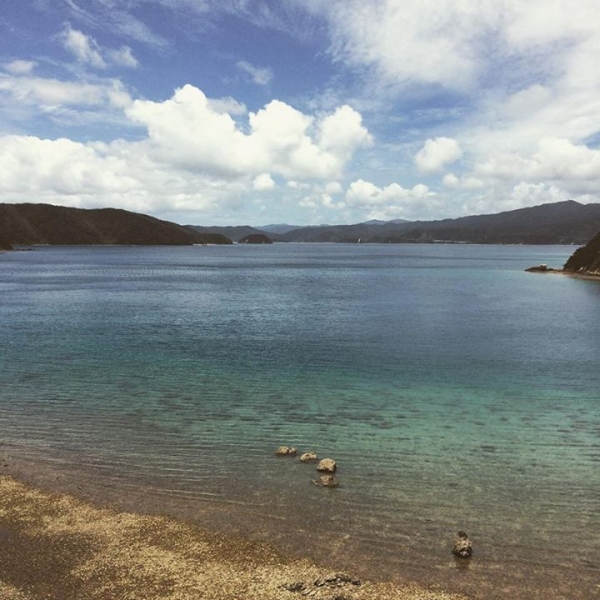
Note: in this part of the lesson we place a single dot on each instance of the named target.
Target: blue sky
(299, 111)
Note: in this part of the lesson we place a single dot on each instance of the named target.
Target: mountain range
(567, 222)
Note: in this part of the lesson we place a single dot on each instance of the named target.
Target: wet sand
(60, 547)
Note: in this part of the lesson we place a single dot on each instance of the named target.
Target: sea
(454, 390)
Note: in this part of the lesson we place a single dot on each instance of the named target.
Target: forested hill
(586, 260)
(4, 245)
(566, 222)
(24, 224)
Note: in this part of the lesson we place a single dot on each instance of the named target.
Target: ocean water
(455, 391)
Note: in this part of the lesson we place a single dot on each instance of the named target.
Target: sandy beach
(57, 546)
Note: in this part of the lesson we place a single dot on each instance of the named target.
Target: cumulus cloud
(260, 76)
(527, 194)
(465, 183)
(96, 174)
(187, 132)
(263, 182)
(387, 202)
(37, 168)
(437, 153)
(192, 156)
(343, 131)
(555, 159)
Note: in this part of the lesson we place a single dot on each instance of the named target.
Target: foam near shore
(57, 546)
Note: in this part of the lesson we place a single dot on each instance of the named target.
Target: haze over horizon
(299, 111)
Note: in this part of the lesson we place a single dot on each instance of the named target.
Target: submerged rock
(327, 465)
(328, 481)
(286, 451)
(309, 457)
(463, 547)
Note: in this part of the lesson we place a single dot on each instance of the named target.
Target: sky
(222, 112)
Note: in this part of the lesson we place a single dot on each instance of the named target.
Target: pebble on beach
(463, 547)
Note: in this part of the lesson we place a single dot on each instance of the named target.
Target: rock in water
(328, 481)
(286, 451)
(309, 457)
(463, 547)
(327, 465)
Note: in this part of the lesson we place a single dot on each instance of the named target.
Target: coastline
(54, 545)
(572, 274)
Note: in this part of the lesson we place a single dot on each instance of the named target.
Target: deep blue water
(455, 390)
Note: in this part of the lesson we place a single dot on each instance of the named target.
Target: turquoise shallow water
(455, 391)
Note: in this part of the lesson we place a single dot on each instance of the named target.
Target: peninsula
(586, 260)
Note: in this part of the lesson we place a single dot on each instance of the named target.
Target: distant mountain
(26, 224)
(586, 260)
(380, 222)
(278, 228)
(566, 222)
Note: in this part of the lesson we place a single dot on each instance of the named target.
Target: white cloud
(123, 57)
(388, 202)
(88, 52)
(263, 182)
(227, 105)
(334, 187)
(260, 76)
(457, 44)
(20, 67)
(529, 194)
(59, 168)
(343, 131)
(437, 153)
(83, 47)
(555, 159)
(185, 131)
(192, 158)
(466, 183)
(118, 174)
(48, 94)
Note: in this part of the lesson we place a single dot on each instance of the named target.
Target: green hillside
(25, 224)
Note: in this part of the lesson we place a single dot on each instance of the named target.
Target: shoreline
(572, 274)
(55, 545)
(131, 544)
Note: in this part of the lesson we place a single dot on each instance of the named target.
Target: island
(256, 238)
